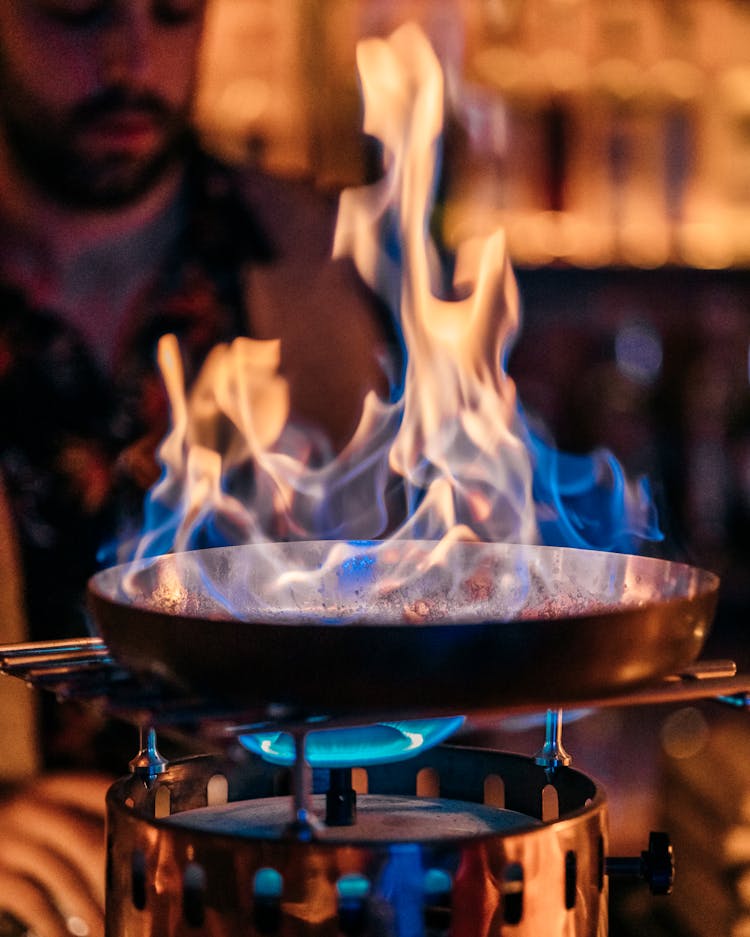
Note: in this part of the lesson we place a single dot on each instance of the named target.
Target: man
(115, 228)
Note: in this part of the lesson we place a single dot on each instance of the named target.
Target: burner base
(494, 850)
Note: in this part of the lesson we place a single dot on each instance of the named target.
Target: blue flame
(585, 501)
(357, 747)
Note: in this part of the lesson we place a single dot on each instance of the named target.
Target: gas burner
(455, 841)
(451, 841)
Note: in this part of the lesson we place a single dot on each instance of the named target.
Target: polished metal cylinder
(457, 842)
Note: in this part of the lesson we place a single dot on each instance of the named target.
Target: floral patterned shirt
(77, 444)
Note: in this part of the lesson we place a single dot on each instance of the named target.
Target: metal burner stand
(503, 846)
(498, 846)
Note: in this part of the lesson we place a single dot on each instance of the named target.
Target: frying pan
(371, 629)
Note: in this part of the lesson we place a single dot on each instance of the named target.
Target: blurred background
(611, 139)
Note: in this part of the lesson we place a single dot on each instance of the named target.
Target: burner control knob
(655, 865)
(658, 864)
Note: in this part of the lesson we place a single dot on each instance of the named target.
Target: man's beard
(49, 154)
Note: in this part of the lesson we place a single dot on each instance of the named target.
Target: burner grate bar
(84, 668)
(49, 648)
(50, 662)
(72, 662)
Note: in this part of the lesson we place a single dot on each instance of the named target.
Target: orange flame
(457, 439)
(237, 470)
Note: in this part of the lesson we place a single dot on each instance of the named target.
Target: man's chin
(105, 168)
(110, 180)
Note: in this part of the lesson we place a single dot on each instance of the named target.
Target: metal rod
(41, 671)
(679, 690)
(734, 690)
(44, 647)
(59, 646)
(624, 866)
(72, 658)
(552, 754)
(706, 669)
(304, 822)
(148, 763)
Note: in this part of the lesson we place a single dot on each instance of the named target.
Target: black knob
(341, 798)
(658, 864)
(655, 864)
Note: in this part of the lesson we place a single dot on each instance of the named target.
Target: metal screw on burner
(148, 763)
(304, 823)
(552, 755)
